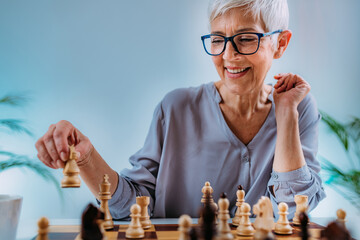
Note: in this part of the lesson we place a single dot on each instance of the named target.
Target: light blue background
(104, 65)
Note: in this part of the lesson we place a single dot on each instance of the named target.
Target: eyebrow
(237, 31)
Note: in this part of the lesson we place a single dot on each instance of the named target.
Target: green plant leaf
(337, 128)
(15, 161)
(14, 100)
(15, 125)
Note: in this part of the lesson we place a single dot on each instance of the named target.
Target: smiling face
(242, 74)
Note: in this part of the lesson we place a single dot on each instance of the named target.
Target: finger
(83, 144)
(43, 155)
(50, 145)
(279, 83)
(61, 134)
(283, 87)
(291, 83)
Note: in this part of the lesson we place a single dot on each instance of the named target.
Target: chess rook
(71, 171)
(104, 197)
(143, 202)
(240, 193)
(301, 206)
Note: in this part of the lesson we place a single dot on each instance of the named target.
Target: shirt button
(246, 159)
(275, 176)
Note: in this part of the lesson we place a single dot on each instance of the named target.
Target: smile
(239, 70)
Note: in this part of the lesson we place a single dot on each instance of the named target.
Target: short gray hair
(273, 13)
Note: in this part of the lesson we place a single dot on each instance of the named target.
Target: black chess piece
(304, 220)
(208, 227)
(90, 229)
(335, 231)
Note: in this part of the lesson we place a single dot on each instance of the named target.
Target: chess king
(237, 130)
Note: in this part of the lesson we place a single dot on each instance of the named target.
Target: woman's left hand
(290, 90)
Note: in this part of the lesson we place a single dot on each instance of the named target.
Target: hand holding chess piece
(71, 171)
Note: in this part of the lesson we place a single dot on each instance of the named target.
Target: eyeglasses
(244, 43)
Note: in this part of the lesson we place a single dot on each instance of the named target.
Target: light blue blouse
(189, 143)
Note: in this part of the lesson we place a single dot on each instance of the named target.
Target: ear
(282, 43)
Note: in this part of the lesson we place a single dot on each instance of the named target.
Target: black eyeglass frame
(231, 39)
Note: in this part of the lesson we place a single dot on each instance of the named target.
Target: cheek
(217, 60)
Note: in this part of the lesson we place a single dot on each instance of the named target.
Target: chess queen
(237, 130)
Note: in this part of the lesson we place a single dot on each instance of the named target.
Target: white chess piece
(245, 228)
(223, 229)
(301, 206)
(283, 226)
(135, 230)
(341, 215)
(240, 193)
(184, 227)
(143, 202)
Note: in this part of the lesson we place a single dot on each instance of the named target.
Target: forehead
(236, 20)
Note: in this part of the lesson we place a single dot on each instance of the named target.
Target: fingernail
(63, 156)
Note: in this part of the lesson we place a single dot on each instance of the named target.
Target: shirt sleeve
(283, 186)
(140, 180)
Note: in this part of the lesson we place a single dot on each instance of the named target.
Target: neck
(244, 105)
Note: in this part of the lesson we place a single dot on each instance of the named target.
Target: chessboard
(163, 232)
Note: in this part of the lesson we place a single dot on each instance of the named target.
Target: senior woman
(237, 130)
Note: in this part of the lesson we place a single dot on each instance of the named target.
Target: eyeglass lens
(245, 43)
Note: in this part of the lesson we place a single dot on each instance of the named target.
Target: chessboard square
(168, 235)
(151, 229)
(111, 235)
(148, 236)
(122, 228)
(61, 236)
(167, 227)
(64, 228)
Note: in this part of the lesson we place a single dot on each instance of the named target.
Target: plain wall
(104, 65)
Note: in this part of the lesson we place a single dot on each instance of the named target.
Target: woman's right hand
(53, 147)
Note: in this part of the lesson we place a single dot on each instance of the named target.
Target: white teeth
(236, 70)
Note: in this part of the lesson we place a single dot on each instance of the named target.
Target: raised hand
(290, 90)
(53, 147)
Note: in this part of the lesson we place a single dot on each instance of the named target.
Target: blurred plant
(12, 160)
(346, 182)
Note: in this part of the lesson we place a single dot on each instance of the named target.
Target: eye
(217, 40)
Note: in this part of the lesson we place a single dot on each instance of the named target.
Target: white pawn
(283, 226)
(245, 228)
(184, 227)
(240, 193)
(223, 229)
(341, 215)
(43, 225)
(301, 206)
(135, 230)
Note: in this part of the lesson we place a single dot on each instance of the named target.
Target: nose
(229, 51)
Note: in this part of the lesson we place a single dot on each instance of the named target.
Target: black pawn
(304, 220)
(90, 229)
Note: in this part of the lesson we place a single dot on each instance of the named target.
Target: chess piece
(283, 226)
(245, 228)
(92, 224)
(184, 227)
(223, 229)
(264, 222)
(341, 215)
(304, 220)
(301, 206)
(71, 171)
(335, 231)
(43, 230)
(240, 193)
(104, 197)
(207, 226)
(135, 230)
(207, 197)
(143, 202)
